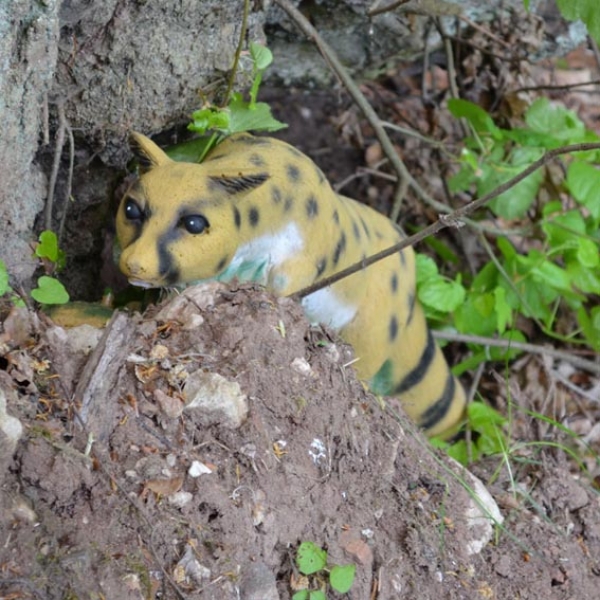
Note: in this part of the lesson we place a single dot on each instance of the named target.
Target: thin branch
(63, 217)
(576, 361)
(456, 218)
(238, 52)
(377, 10)
(58, 148)
(358, 97)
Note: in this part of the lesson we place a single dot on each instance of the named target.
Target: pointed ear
(149, 150)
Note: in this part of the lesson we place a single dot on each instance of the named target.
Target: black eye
(193, 224)
(133, 212)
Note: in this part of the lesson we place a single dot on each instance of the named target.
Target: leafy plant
(311, 559)
(552, 276)
(49, 290)
(238, 115)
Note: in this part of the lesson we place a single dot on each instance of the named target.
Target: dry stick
(60, 142)
(580, 363)
(69, 181)
(444, 221)
(238, 51)
(357, 95)
(377, 10)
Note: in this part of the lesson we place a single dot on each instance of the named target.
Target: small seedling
(49, 290)
(312, 560)
(238, 115)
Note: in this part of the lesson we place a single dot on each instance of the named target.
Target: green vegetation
(49, 290)
(311, 560)
(554, 275)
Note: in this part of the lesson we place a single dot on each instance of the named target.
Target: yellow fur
(258, 210)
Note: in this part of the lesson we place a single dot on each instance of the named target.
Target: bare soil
(147, 499)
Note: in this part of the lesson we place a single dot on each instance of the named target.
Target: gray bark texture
(117, 65)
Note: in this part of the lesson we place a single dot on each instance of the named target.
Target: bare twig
(63, 217)
(58, 148)
(377, 10)
(456, 218)
(354, 91)
(576, 361)
(238, 52)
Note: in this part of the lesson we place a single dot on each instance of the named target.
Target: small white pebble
(197, 468)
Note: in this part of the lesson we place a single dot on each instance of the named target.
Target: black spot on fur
(235, 185)
(402, 258)
(437, 411)
(312, 207)
(339, 249)
(356, 231)
(222, 263)
(364, 225)
(412, 299)
(393, 328)
(321, 266)
(237, 217)
(336, 217)
(293, 173)
(276, 195)
(257, 160)
(394, 283)
(253, 216)
(420, 371)
(287, 205)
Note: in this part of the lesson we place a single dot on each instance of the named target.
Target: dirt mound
(190, 453)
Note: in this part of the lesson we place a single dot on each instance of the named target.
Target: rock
(258, 583)
(217, 400)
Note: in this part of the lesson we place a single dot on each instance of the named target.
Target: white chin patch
(142, 284)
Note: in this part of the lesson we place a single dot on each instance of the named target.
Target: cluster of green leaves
(312, 560)
(557, 270)
(237, 116)
(49, 290)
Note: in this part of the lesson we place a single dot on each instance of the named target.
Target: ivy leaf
(50, 291)
(310, 558)
(257, 117)
(342, 577)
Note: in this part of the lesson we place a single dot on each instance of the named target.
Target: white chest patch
(324, 307)
(254, 260)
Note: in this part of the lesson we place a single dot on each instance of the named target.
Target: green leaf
(590, 326)
(190, 151)
(479, 118)
(513, 203)
(207, 119)
(583, 181)
(503, 309)
(48, 246)
(251, 118)
(4, 287)
(584, 10)
(261, 56)
(310, 558)
(341, 578)
(481, 416)
(556, 120)
(588, 254)
(50, 291)
(301, 595)
(441, 294)
(316, 595)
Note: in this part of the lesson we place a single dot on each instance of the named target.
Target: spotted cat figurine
(259, 210)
